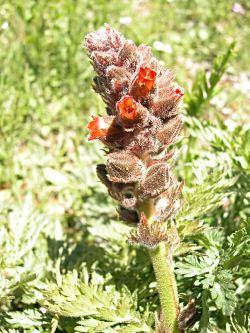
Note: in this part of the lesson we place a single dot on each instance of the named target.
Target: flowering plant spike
(142, 122)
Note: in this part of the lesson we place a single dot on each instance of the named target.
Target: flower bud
(105, 39)
(128, 54)
(101, 60)
(119, 79)
(165, 103)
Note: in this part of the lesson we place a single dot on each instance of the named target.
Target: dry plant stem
(166, 285)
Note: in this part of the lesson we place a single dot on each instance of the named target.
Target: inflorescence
(142, 122)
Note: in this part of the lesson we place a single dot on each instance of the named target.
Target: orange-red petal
(127, 108)
(98, 128)
(146, 77)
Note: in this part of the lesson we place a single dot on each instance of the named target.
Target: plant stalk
(167, 288)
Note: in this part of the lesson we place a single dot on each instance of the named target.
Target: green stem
(204, 321)
(167, 288)
(148, 208)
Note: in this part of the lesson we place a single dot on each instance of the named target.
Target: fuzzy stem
(204, 321)
(167, 288)
(148, 208)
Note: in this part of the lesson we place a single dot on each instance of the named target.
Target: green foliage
(206, 194)
(19, 265)
(216, 272)
(27, 319)
(96, 306)
(203, 88)
(240, 323)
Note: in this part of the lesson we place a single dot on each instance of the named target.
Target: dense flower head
(143, 121)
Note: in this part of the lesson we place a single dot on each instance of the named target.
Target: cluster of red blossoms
(142, 121)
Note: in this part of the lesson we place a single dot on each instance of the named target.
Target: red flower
(127, 108)
(146, 77)
(143, 83)
(179, 92)
(99, 127)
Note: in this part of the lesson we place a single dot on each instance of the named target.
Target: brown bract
(124, 167)
(156, 180)
(169, 132)
(149, 234)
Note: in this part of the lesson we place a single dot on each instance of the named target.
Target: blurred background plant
(55, 217)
